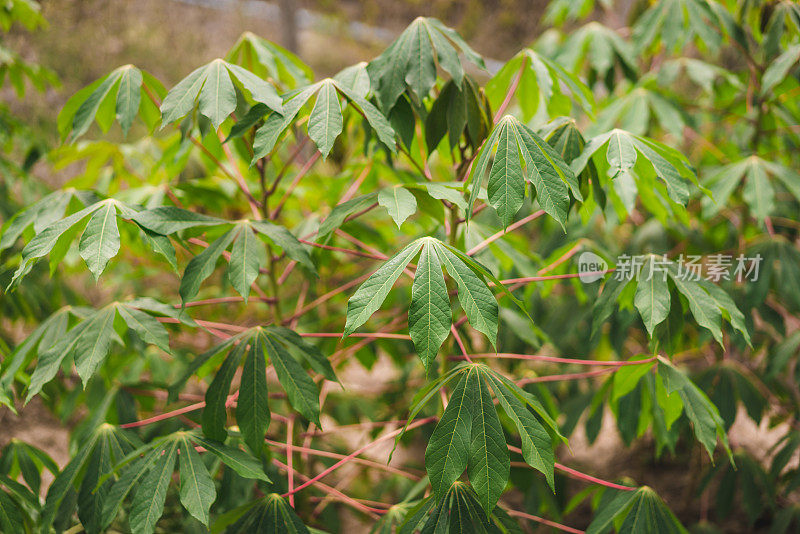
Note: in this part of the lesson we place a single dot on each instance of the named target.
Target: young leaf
(100, 240)
(325, 122)
(652, 296)
(398, 202)
(447, 454)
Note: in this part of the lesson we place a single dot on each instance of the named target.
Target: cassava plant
(472, 272)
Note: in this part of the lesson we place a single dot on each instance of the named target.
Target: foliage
(243, 275)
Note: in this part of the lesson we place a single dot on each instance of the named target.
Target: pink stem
(544, 521)
(550, 277)
(511, 90)
(355, 453)
(483, 244)
(375, 335)
(554, 359)
(573, 376)
(460, 343)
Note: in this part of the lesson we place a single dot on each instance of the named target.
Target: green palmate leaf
(92, 346)
(271, 514)
(342, 211)
(325, 122)
(779, 68)
(301, 390)
(202, 265)
(129, 97)
(241, 462)
(410, 61)
(45, 240)
(163, 246)
(627, 377)
(374, 117)
(91, 497)
(551, 177)
(100, 240)
(199, 361)
(489, 463)
(268, 60)
(248, 256)
(371, 294)
(50, 360)
(218, 97)
(167, 220)
(149, 498)
(197, 487)
(610, 509)
(645, 512)
(703, 307)
(506, 186)
(130, 477)
(652, 295)
(549, 174)
(11, 517)
(146, 326)
(312, 354)
(213, 84)
(399, 202)
(63, 483)
(283, 238)
(705, 418)
(276, 123)
(215, 413)
(429, 317)
(85, 114)
(475, 297)
(447, 454)
(537, 447)
(252, 410)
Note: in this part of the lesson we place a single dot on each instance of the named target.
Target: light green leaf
(429, 316)
(475, 297)
(325, 123)
(100, 240)
(248, 256)
(779, 68)
(421, 74)
(276, 123)
(252, 410)
(342, 211)
(197, 487)
(128, 96)
(91, 348)
(447, 454)
(202, 265)
(301, 390)
(218, 97)
(605, 516)
(649, 514)
(88, 109)
(489, 463)
(261, 90)
(375, 118)
(627, 377)
(371, 294)
(148, 501)
(758, 192)
(399, 202)
(283, 238)
(652, 295)
(180, 99)
(167, 220)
